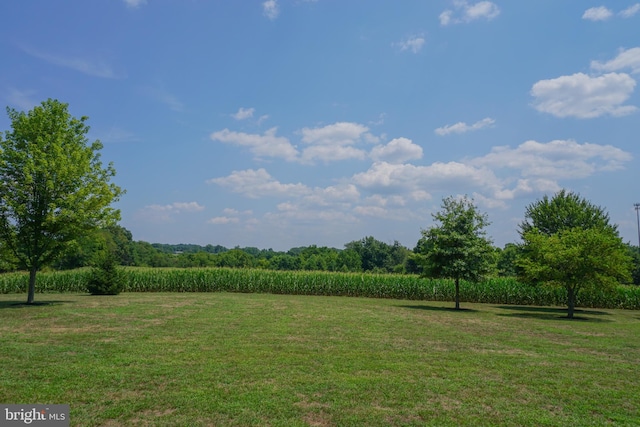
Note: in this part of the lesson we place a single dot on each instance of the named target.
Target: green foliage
(574, 259)
(106, 277)
(349, 261)
(506, 264)
(378, 256)
(188, 248)
(82, 252)
(414, 264)
(569, 242)
(92, 246)
(284, 262)
(564, 211)
(234, 258)
(53, 188)
(634, 254)
(8, 261)
(457, 248)
(119, 242)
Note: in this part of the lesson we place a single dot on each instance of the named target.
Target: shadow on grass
(431, 308)
(551, 310)
(21, 304)
(552, 313)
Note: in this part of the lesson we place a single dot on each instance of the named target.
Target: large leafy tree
(564, 211)
(575, 258)
(457, 247)
(53, 186)
(569, 242)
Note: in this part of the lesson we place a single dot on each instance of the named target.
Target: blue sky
(285, 123)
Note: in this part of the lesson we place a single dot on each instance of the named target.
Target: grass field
(209, 359)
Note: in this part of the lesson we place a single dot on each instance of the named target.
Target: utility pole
(637, 206)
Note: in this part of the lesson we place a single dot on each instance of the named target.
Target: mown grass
(209, 359)
(495, 291)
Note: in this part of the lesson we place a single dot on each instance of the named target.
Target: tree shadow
(431, 308)
(552, 313)
(22, 304)
(536, 309)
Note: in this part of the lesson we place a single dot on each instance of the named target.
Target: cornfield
(492, 291)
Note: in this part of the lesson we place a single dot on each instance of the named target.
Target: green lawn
(209, 359)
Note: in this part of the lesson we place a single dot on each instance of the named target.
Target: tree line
(365, 255)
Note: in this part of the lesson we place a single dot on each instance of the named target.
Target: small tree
(53, 188)
(575, 258)
(106, 278)
(457, 248)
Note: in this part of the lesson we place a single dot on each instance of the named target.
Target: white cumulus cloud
(223, 220)
(243, 113)
(232, 216)
(267, 145)
(558, 159)
(335, 142)
(271, 9)
(626, 59)
(135, 3)
(630, 11)
(328, 153)
(464, 12)
(462, 127)
(398, 150)
(600, 13)
(583, 96)
(501, 175)
(603, 13)
(166, 213)
(408, 179)
(186, 207)
(259, 183)
(413, 44)
(341, 133)
(390, 188)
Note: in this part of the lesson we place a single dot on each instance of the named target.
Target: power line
(637, 206)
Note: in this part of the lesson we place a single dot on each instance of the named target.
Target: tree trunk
(571, 301)
(457, 293)
(32, 284)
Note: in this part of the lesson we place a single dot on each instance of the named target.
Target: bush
(106, 277)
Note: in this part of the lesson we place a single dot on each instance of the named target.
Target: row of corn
(492, 291)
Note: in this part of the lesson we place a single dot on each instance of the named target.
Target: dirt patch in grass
(150, 416)
(307, 403)
(318, 419)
